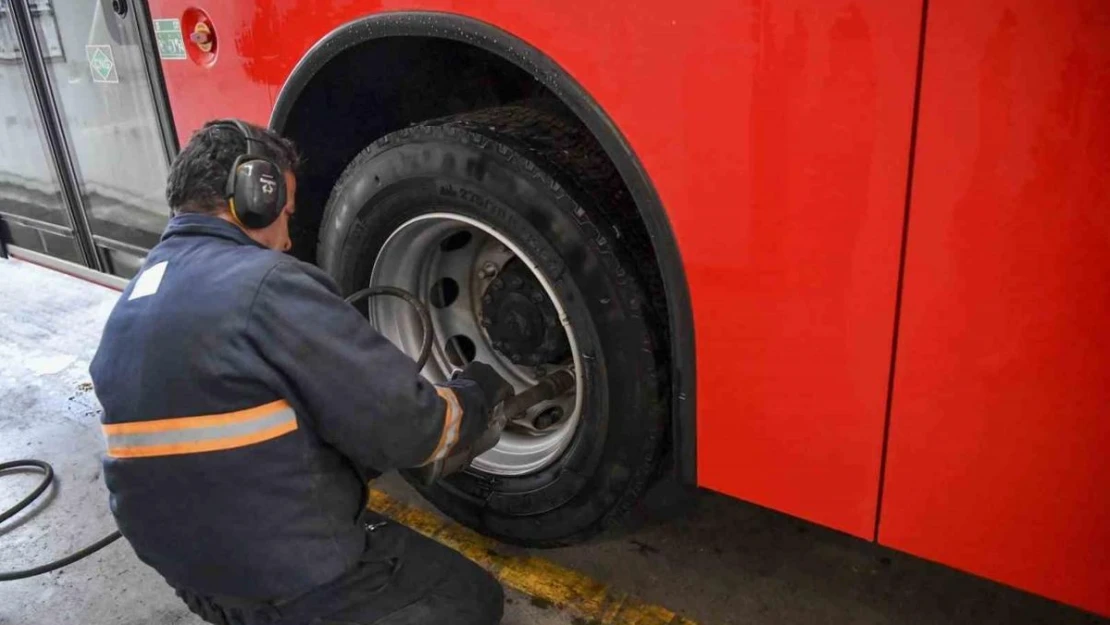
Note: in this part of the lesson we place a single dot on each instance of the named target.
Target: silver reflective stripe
(202, 434)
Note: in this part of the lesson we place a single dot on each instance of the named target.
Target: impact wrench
(515, 407)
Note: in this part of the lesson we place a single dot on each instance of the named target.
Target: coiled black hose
(48, 477)
(411, 300)
(48, 471)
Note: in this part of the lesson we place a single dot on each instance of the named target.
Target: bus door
(86, 139)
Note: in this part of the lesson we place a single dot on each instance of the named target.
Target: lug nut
(498, 284)
(487, 299)
(548, 418)
(515, 357)
(489, 270)
(515, 282)
(486, 322)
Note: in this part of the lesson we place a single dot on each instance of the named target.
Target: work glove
(494, 390)
(493, 386)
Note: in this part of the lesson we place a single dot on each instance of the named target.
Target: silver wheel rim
(423, 254)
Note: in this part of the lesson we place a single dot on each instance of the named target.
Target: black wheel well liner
(558, 82)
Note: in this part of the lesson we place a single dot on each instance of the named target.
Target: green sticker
(101, 63)
(171, 45)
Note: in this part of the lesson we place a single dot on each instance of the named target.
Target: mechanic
(246, 407)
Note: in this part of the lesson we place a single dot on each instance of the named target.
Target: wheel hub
(453, 260)
(522, 323)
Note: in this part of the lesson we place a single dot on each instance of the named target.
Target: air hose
(411, 300)
(48, 477)
(48, 471)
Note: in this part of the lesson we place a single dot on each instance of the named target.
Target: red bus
(846, 259)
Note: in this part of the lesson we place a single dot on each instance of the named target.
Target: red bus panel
(796, 118)
(230, 85)
(999, 454)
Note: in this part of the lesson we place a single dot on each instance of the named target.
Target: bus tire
(537, 181)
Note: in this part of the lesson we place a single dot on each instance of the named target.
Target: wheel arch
(557, 82)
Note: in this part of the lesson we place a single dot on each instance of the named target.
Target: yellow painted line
(539, 578)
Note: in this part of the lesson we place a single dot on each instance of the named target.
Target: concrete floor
(726, 562)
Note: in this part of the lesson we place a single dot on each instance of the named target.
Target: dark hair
(198, 176)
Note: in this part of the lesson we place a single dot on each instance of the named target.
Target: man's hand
(494, 390)
(493, 386)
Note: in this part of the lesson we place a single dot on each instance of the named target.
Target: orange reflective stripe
(173, 449)
(185, 435)
(204, 421)
(452, 420)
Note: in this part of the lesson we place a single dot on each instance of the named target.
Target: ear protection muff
(255, 187)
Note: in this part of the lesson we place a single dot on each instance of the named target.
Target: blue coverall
(246, 406)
